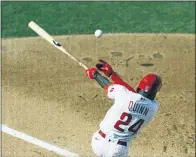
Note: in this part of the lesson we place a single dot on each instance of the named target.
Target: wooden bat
(51, 40)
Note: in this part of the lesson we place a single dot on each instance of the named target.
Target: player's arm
(110, 88)
(92, 73)
(119, 81)
(108, 71)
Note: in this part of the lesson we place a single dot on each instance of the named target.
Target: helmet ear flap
(157, 84)
(160, 85)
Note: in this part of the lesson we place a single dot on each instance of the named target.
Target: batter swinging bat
(50, 39)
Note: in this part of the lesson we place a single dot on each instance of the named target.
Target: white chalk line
(37, 142)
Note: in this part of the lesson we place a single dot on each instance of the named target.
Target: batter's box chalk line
(37, 142)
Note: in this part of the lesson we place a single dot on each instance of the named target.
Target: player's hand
(105, 68)
(91, 72)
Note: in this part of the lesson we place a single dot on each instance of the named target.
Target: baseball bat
(51, 40)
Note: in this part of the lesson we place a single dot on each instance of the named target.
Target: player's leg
(98, 144)
(109, 151)
(116, 150)
(121, 151)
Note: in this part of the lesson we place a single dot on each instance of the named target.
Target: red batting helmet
(149, 86)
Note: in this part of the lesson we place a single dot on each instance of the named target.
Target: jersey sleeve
(113, 90)
(118, 80)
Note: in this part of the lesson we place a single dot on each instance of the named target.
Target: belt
(102, 134)
(123, 143)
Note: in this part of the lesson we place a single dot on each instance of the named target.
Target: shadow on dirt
(147, 64)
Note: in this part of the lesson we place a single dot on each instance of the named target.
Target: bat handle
(83, 66)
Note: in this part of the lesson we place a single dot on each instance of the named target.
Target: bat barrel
(51, 40)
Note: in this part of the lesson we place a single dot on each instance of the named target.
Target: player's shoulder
(155, 104)
(115, 87)
(152, 103)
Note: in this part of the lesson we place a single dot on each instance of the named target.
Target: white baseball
(98, 33)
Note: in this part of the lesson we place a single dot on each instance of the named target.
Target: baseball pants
(104, 147)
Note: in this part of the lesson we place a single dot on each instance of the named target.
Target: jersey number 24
(133, 128)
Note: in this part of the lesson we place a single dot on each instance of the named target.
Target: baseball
(98, 33)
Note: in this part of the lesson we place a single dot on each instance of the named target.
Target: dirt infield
(47, 95)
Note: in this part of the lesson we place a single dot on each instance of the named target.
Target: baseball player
(132, 110)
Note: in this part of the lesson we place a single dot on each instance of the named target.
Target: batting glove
(105, 68)
(91, 72)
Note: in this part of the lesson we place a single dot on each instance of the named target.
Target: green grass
(59, 18)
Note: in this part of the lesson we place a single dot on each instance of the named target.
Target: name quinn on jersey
(138, 108)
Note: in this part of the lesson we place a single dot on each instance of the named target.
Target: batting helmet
(149, 85)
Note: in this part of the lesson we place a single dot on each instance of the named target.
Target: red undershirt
(117, 80)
